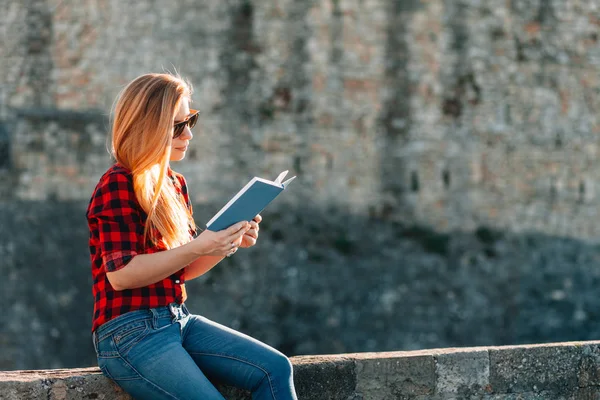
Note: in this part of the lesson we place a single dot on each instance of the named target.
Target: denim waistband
(174, 311)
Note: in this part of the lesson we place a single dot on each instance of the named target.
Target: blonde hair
(142, 132)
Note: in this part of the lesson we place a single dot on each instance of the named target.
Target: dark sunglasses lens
(192, 121)
(180, 127)
(178, 130)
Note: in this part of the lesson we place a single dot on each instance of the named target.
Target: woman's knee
(281, 366)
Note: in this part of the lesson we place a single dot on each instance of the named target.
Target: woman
(143, 250)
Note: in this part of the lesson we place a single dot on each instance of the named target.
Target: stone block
(395, 376)
(60, 384)
(589, 366)
(324, 377)
(534, 368)
(522, 396)
(462, 372)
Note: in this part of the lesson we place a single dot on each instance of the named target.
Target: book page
(284, 184)
(280, 177)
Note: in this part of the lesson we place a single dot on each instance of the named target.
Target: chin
(177, 156)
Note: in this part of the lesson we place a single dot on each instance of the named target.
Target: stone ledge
(569, 370)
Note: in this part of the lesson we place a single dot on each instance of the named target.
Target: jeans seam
(184, 332)
(124, 333)
(104, 370)
(244, 361)
(112, 354)
(141, 337)
(145, 379)
(117, 327)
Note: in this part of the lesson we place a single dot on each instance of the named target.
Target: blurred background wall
(446, 154)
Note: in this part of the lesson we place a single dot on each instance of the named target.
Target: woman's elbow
(116, 281)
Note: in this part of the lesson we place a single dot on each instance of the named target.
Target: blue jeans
(167, 353)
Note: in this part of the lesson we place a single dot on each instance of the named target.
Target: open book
(248, 202)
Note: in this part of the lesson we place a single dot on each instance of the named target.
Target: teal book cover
(248, 202)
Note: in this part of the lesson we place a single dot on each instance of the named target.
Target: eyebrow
(181, 120)
(184, 118)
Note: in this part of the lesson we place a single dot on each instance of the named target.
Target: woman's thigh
(150, 363)
(234, 358)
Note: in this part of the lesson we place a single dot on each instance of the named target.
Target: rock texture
(558, 371)
(445, 153)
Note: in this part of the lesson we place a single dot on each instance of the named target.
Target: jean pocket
(117, 369)
(105, 347)
(130, 335)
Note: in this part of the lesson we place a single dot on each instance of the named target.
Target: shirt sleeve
(120, 225)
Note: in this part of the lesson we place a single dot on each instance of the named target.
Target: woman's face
(179, 146)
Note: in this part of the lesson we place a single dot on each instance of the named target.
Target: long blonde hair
(142, 132)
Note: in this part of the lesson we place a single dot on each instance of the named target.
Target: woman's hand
(251, 236)
(224, 242)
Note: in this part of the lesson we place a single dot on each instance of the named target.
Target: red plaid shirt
(116, 223)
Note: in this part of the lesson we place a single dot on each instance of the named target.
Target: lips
(181, 148)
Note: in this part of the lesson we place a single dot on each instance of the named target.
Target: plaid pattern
(116, 222)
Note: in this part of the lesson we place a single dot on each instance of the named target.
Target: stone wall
(559, 371)
(448, 113)
(445, 153)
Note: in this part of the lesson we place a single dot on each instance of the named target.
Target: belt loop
(154, 318)
(174, 312)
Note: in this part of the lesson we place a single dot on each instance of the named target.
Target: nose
(187, 134)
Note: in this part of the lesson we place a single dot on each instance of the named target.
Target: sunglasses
(190, 121)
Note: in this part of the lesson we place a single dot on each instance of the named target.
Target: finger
(258, 218)
(235, 228)
(253, 225)
(253, 233)
(232, 252)
(236, 236)
(231, 236)
(250, 242)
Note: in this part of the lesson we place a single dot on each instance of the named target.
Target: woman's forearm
(200, 266)
(146, 269)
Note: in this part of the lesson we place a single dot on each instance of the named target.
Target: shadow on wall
(336, 283)
(321, 280)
